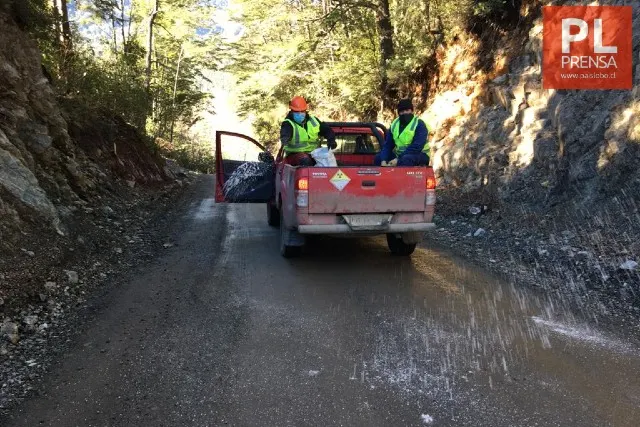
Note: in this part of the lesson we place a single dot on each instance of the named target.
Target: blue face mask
(299, 117)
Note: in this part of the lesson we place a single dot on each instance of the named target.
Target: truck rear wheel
(398, 247)
(287, 250)
(273, 215)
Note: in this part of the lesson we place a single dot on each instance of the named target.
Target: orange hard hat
(298, 104)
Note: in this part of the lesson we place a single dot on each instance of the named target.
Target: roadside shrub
(114, 85)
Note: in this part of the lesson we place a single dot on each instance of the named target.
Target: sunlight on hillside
(221, 116)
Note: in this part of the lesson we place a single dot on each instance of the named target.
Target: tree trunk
(130, 20)
(175, 91)
(115, 34)
(152, 18)
(387, 51)
(385, 28)
(56, 20)
(66, 27)
(155, 106)
(122, 19)
(427, 12)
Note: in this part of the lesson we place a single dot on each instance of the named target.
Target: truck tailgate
(341, 190)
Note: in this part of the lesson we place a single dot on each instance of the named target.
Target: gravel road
(221, 330)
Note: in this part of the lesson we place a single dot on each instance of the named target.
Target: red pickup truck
(355, 198)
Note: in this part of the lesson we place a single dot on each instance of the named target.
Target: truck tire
(398, 247)
(286, 250)
(273, 215)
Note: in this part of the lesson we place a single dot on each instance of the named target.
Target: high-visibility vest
(405, 139)
(304, 140)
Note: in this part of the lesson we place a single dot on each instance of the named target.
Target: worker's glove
(332, 145)
(393, 162)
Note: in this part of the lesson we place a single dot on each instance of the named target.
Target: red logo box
(587, 47)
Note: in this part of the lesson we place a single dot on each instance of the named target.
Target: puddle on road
(205, 211)
(438, 330)
(468, 329)
(242, 228)
(587, 335)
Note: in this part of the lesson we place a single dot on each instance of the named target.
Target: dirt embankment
(74, 182)
(83, 197)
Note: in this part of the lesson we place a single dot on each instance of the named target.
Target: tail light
(431, 183)
(303, 184)
(302, 192)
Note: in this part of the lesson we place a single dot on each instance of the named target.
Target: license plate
(369, 222)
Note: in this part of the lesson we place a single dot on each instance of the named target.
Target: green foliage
(351, 59)
(488, 8)
(34, 14)
(106, 68)
(290, 49)
(330, 53)
(268, 131)
(113, 85)
(191, 154)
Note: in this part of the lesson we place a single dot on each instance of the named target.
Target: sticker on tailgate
(340, 180)
(368, 172)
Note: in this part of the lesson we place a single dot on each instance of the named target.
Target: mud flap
(293, 238)
(412, 237)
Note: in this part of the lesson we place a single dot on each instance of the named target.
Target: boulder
(19, 181)
(502, 96)
(36, 136)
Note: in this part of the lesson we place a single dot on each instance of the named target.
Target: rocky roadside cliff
(83, 198)
(67, 173)
(534, 182)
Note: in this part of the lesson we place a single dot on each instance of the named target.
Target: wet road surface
(223, 331)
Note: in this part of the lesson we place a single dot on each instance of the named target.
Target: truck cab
(353, 199)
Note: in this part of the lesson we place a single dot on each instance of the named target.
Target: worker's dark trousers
(299, 159)
(420, 159)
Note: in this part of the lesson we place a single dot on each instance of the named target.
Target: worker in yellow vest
(406, 143)
(300, 132)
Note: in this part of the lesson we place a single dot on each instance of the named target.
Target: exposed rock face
(558, 169)
(30, 121)
(19, 181)
(504, 133)
(47, 162)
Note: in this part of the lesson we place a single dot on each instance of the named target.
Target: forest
(154, 62)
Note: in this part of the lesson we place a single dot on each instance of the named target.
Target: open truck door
(245, 170)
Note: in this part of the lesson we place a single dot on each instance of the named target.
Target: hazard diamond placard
(340, 180)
